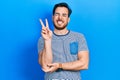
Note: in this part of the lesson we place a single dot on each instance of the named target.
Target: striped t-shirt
(65, 49)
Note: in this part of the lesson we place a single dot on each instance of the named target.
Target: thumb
(50, 65)
(45, 70)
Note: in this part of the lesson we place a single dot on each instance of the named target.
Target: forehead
(61, 10)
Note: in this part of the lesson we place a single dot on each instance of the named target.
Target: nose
(60, 17)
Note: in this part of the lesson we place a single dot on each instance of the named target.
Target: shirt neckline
(62, 35)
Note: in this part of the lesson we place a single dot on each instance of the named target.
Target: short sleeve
(82, 44)
(40, 44)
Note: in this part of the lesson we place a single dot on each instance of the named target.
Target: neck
(61, 32)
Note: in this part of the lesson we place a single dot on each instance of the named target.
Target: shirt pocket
(74, 48)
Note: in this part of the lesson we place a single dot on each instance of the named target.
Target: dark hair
(63, 4)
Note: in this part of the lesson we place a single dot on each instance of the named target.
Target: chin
(60, 28)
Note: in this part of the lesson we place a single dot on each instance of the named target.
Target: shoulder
(40, 39)
(77, 34)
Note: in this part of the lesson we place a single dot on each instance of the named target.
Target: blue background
(98, 20)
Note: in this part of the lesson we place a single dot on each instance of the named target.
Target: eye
(64, 15)
(56, 14)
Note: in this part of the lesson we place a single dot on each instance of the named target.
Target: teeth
(59, 22)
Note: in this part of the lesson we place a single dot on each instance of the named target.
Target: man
(62, 53)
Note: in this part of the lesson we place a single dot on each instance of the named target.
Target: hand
(52, 67)
(46, 32)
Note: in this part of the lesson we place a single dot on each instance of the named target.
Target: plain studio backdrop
(98, 20)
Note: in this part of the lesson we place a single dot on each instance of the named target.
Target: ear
(68, 19)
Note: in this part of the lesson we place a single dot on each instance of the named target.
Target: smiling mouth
(59, 22)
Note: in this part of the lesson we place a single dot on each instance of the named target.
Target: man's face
(60, 18)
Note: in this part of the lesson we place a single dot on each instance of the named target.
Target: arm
(45, 56)
(80, 64)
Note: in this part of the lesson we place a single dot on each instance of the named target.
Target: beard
(60, 28)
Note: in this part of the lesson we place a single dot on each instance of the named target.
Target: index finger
(47, 25)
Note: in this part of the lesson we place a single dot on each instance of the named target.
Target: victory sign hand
(46, 32)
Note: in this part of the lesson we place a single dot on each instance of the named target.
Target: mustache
(60, 20)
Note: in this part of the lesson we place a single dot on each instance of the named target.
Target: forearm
(75, 65)
(46, 54)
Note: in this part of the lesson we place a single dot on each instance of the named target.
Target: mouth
(59, 22)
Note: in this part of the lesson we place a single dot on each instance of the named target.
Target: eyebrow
(64, 14)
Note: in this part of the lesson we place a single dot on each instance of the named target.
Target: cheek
(66, 20)
(54, 19)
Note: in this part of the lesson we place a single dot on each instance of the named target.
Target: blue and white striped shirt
(65, 49)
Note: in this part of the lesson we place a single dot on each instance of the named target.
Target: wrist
(48, 40)
(60, 65)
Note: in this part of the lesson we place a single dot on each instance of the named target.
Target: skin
(60, 20)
